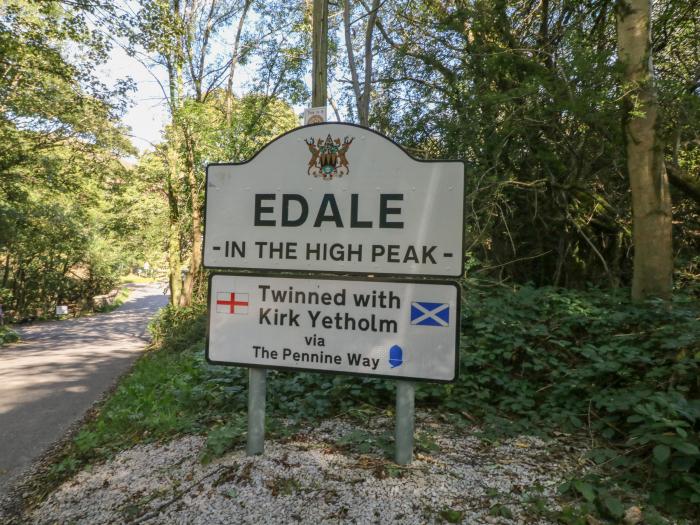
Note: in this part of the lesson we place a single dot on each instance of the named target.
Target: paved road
(50, 379)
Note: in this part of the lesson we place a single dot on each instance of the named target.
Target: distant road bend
(56, 373)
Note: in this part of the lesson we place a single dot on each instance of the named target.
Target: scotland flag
(430, 314)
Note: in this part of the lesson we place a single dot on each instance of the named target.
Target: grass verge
(132, 278)
(119, 300)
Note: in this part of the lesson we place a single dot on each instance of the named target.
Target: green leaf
(452, 516)
(585, 489)
(687, 448)
(661, 453)
(683, 463)
(564, 488)
(614, 506)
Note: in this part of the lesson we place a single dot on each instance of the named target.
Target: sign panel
(336, 198)
(400, 330)
(314, 115)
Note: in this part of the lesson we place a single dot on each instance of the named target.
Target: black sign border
(339, 272)
(333, 372)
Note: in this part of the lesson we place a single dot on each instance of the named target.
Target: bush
(547, 358)
(178, 328)
(7, 336)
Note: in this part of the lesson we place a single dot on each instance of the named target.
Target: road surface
(56, 373)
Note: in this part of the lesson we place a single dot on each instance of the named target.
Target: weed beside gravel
(333, 472)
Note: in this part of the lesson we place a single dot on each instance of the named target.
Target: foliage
(136, 218)
(527, 93)
(209, 123)
(223, 438)
(201, 134)
(60, 143)
(364, 442)
(7, 336)
(57, 247)
(176, 329)
(546, 358)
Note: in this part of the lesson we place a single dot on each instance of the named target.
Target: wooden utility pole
(257, 377)
(319, 36)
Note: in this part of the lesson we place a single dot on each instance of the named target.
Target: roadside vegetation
(119, 299)
(133, 278)
(564, 113)
(546, 361)
(7, 336)
(69, 201)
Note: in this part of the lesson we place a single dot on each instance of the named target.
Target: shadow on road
(52, 377)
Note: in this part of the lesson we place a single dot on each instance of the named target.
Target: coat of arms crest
(328, 158)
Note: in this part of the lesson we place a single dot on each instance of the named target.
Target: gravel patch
(336, 472)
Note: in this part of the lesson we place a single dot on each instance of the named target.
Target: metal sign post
(343, 199)
(405, 421)
(257, 378)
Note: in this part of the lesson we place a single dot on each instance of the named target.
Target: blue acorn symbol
(395, 356)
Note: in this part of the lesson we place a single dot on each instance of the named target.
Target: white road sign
(405, 330)
(314, 115)
(337, 198)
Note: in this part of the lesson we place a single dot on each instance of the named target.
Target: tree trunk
(369, 35)
(362, 94)
(234, 62)
(651, 201)
(174, 67)
(18, 290)
(6, 272)
(174, 248)
(351, 61)
(196, 258)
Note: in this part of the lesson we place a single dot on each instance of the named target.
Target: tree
(235, 58)
(178, 36)
(651, 200)
(60, 148)
(361, 90)
(525, 93)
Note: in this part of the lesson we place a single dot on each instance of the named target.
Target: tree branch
(684, 182)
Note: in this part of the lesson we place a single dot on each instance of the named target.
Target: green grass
(119, 300)
(132, 278)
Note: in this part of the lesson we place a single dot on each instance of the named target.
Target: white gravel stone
(309, 479)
